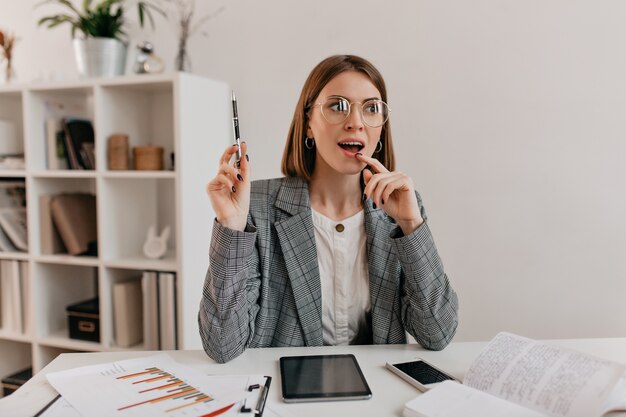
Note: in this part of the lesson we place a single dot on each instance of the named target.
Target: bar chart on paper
(170, 392)
(153, 386)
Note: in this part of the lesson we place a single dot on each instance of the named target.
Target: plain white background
(509, 116)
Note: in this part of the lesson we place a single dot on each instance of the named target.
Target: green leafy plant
(104, 20)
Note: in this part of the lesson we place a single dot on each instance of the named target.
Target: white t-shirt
(342, 257)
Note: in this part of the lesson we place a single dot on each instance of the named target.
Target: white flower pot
(100, 57)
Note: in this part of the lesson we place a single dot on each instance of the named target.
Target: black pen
(236, 125)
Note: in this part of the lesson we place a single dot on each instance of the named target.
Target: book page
(555, 381)
(617, 398)
(451, 399)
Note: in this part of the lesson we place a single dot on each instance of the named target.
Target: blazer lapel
(383, 283)
(297, 240)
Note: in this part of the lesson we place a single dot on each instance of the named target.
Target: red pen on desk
(220, 411)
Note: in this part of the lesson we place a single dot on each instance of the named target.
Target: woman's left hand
(393, 192)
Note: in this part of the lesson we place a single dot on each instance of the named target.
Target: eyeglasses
(336, 109)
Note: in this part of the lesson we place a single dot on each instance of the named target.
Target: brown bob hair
(298, 161)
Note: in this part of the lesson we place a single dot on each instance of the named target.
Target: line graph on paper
(154, 386)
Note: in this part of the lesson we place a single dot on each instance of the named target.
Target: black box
(84, 320)
(12, 382)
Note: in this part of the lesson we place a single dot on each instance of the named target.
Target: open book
(514, 376)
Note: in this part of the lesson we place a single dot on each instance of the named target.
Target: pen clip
(244, 409)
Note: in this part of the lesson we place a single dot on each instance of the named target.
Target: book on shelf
(56, 155)
(6, 298)
(159, 310)
(128, 312)
(150, 292)
(79, 143)
(25, 293)
(167, 310)
(5, 242)
(12, 296)
(13, 233)
(74, 215)
(12, 194)
(519, 377)
(51, 241)
(14, 226)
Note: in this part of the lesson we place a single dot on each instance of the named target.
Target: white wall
(509, 115)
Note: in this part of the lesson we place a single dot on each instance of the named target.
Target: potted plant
(101, 47)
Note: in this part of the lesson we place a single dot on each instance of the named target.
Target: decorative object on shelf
(7, 41)
(186, 28)
(148, 158)
(147, 62)
(11, 383)
(101, 52)
(100, 57)
(117, 154)
(156, 246)
(84, 320)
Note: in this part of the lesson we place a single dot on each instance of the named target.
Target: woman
(332, 253)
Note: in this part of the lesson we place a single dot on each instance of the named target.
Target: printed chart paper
(152, 386)
(61, 408)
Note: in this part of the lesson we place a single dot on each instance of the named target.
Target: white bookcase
(186, 115)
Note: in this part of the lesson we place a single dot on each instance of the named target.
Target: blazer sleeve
(429, 304)
(228, 307)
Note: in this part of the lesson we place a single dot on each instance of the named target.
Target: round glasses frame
(347, 114)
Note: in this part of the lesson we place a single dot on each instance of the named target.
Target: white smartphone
(420, 374)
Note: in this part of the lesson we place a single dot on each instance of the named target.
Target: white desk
(389, 392)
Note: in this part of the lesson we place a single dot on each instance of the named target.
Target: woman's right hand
(229, 191)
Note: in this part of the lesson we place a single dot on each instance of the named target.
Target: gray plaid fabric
(262, 287)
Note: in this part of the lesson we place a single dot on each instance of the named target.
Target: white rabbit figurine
(156, 246)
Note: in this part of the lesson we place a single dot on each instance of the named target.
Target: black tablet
(322, 378)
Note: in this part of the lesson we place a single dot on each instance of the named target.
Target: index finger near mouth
(374, 163)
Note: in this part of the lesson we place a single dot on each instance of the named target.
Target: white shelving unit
(186, 115)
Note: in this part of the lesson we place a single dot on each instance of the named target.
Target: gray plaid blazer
(263, 286)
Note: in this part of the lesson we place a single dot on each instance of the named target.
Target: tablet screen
(322, 378)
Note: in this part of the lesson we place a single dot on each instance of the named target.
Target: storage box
(148, 157)
(84, 320)
(12, 382)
